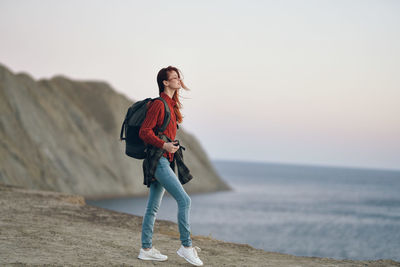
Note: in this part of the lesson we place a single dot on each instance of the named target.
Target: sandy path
(41, 227)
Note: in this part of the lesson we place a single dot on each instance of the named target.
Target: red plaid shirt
(155, 118)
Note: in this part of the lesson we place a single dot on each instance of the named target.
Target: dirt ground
(50, 228)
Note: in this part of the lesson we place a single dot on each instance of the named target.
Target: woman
(169, 82)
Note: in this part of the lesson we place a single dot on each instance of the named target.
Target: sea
(303, 210)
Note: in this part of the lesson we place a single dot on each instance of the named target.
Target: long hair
(163, 75)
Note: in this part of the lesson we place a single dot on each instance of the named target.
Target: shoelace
(156, 251)
(195, 249)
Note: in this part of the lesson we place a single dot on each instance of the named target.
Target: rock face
(50, 228)
(63, 135)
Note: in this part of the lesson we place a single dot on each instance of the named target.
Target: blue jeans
(166, 179)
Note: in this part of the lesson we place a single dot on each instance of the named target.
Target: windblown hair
(163, 75)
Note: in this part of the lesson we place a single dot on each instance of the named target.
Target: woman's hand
(171, 147)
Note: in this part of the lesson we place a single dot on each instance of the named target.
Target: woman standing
(169, 82)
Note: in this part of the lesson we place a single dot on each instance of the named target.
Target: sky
(299, 82)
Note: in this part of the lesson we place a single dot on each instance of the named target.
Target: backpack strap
(167, 115)
(121, 136)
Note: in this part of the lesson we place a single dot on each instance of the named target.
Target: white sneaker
(190, 255)
(153, 254)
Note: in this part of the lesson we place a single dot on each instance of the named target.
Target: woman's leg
(153, 203)
(167, 178)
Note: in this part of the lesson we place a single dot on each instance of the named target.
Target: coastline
(45, 227)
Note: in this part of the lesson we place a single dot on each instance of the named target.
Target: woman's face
(174, 81)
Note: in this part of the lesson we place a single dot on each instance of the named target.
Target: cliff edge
(44, 227)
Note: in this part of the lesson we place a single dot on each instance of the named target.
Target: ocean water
(341, 213)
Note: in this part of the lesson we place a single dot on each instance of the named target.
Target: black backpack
(135, 147)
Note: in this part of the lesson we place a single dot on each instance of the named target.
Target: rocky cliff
(63, 135)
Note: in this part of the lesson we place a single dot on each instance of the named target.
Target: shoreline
(45, 227)
(145, 194)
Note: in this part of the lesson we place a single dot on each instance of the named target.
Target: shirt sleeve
(154, 115)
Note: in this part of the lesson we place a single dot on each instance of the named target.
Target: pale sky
(304, 82)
